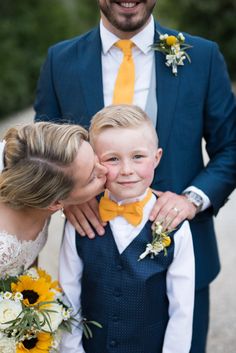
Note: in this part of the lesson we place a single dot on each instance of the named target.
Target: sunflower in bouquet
(33, 313)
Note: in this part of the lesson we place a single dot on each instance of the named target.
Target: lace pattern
(17, 255)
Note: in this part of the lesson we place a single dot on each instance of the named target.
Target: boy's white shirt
(180, 281)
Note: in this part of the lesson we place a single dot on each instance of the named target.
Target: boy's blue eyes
(115, 159)
(112, 159)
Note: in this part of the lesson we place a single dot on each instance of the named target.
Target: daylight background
(29, 27)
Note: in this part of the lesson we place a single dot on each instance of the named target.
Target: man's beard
(128, 23)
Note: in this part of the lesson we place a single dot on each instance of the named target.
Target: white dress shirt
(143, 57)
(180, 281)
(2, 145)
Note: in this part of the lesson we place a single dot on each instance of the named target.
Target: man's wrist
(195, 199)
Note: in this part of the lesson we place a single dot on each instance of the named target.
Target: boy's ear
(158, 156)
(55, 206)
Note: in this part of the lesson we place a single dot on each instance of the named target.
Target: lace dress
(17, 255)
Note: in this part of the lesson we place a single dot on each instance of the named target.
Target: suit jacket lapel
(91, 72)
(166, 90)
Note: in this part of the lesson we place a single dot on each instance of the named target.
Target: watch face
(194, 198)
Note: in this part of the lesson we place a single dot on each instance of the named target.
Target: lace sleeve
(9, 250)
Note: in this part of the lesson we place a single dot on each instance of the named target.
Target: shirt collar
(143, 40)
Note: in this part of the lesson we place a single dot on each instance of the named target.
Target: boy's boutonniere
(174, 48)
(160, 241)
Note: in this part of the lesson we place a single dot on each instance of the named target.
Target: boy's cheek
(147, 173)
(111, 174)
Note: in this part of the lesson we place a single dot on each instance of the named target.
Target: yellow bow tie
(132, 212)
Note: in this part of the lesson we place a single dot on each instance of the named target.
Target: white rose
(55, 318)
(7, 345)
(9, 310)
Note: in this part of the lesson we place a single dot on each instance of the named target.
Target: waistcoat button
(113, 343)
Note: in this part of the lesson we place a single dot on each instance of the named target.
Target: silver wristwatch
(195, 198)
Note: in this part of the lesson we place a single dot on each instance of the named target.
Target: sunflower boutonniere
(174, 48)
(160, 241)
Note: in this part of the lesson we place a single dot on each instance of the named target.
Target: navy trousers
(200, 321)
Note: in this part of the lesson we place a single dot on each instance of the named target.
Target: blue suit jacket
(197, 103)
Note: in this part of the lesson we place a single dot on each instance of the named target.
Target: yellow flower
(166, 241)
(34, 291)
(39, 344)
(53, 285)
(171, 40)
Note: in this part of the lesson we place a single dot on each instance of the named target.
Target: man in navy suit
(78, 79)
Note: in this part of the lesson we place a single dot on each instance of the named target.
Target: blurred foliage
(214, 20)
(29, 27)
(86, 14)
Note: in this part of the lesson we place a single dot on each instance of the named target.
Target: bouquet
(33, 314)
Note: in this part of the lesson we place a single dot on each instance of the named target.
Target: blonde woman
(43, 168)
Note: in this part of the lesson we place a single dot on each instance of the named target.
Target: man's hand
(172, 209)
(84, 216)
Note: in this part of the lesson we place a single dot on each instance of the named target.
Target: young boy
(140, 292)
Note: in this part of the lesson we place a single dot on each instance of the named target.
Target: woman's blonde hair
(37, 160)
(120, 116)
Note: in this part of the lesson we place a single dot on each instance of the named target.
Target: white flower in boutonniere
(174, 48)
(160, 241)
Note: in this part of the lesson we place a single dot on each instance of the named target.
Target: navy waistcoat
(126, 296)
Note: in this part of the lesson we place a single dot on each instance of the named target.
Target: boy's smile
(130, 156)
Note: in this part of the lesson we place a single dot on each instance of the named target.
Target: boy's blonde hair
(120, 116)
(37, 160)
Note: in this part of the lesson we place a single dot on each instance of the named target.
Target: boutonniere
(174, 48)
(160, 241)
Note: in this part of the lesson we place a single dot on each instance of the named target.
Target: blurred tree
(86, 14)
(211, 19)
(27, 29)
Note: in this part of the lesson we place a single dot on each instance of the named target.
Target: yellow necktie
(132, 212)
(124, 85)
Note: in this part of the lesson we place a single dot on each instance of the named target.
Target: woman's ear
(55, 206)
(158, 156)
